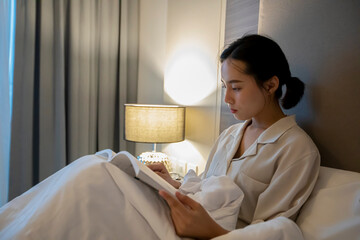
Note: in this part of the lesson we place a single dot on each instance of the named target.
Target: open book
(129, 164)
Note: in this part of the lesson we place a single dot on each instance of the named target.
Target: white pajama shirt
(276, 173)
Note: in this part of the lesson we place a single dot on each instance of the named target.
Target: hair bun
(294, 92)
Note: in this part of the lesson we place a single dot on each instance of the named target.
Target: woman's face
(243, 96)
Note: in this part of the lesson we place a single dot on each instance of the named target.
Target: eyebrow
(232, 81)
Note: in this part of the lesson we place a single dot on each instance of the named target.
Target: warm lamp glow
(154, 123)
(190, 76)
(190, 156)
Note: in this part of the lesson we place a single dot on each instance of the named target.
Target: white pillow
(333, 209)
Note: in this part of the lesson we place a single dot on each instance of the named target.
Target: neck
(270, 114)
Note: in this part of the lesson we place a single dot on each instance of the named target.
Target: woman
(271, 159)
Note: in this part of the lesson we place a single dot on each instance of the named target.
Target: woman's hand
(190, 218)
(161, 170)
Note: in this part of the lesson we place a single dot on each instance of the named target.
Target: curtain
(69, 85)
(7, 25)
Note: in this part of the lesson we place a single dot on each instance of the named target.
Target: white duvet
(93, 199)
(89, 199)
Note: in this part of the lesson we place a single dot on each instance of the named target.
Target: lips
(233, 110)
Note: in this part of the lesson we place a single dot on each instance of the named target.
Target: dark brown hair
(264, 59)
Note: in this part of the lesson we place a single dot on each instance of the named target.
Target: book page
(123, 162)
(129, 164)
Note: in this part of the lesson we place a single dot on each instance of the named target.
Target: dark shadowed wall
(321, 40)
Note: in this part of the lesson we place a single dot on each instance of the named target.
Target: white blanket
(219, 195)
(280, 228)
(93, 199)
(84, 201)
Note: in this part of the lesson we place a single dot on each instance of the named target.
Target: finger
(153, 166)
(172, 202)
(162, 175)
(187, 200)
(157, 167)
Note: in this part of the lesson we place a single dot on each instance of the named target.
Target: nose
(228, 97)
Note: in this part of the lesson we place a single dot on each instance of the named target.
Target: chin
(240, 118)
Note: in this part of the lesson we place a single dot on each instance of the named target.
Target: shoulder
(298, 148)
(289, 143)
(287, 133)
(297, 137)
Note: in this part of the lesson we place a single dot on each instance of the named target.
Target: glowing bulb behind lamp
(190, 77)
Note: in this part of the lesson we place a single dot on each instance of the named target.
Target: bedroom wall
(151, 56)
(236, 27)
(321, 41)
(179, 43)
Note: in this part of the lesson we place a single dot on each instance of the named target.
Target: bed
(92, 199)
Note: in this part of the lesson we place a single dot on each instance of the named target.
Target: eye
(236, 89)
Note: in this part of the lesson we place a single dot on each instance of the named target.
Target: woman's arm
(190, 218)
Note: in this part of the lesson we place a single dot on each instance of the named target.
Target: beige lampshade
(154, 123)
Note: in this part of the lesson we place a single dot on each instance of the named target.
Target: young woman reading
(271, 159)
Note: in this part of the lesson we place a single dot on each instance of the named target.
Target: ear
(271, 85)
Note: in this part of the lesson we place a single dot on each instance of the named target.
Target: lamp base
(155, 157)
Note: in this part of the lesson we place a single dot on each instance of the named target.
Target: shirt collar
(274, 132)
(270, 135)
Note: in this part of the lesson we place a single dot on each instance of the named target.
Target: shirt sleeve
(288, 189)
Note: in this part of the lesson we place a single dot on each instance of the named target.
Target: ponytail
(294, 92)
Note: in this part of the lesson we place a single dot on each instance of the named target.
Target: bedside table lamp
(154, 124)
